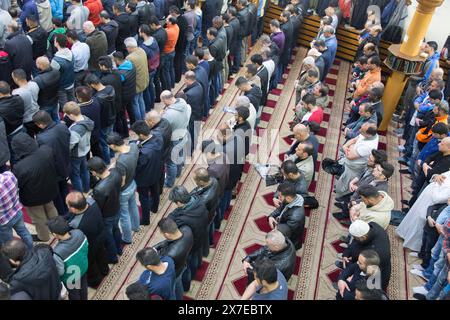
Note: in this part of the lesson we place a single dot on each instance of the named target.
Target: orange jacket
(425, 134)
(95, 7)
(370, 77)
(172, 36)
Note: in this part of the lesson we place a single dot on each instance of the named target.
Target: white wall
(440, 24)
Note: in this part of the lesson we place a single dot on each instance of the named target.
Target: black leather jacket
(244, 20)
(284, 260)
(236, 25)
(210, 197)
(291, 215)
(107, 193)
(195, 215)
(178, 249)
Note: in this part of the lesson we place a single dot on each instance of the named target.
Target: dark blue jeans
(236, 53)
(79, 175)
(149, 93)
(113, 238)
(149, 199)
(168, 72)
(104, 145)
(52, 111)
(223, 206)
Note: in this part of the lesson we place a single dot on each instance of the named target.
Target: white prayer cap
(359, 228)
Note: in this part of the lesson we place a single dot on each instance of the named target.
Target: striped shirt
(10, 205)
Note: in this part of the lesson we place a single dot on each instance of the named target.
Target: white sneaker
(418, 267)
(420, 290)
(418, 273)
(414, 254)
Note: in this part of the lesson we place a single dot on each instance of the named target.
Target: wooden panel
(347, 39)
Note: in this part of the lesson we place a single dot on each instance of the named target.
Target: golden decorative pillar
(403, 59)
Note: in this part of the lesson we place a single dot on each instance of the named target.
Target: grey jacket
(5, 19)
(45, 14)
(65, 248)
(178, 114)
(80, 137)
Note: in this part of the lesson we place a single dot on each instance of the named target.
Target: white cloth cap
(359, 228)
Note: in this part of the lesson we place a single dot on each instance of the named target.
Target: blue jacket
(161, 8)
(331, 43)
(29, 8)
(57, 8)
(434, 61)
(202, 78)
(66, 68)
(430, 148)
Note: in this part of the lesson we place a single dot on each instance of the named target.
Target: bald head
(76, 202)
(152, 118)
(275, 240)
(368, 129)
(301, 132)
(202, 177)
(14, 250)
(88, 27)
(189, 77)
(243, 101)
(437, 74)
(167, 97)
(444, 146)
(42, 63)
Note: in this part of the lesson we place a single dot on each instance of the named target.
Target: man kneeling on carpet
(289, 217)
(278, 249)
(367, 268)
(269, 283)
(289, 173)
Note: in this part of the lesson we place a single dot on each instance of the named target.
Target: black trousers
(98, 264)
(121, 125)
(430, 235)
(178, 64)
(60, 200)
(80, 293)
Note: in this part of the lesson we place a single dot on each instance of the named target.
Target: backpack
(146, 12)
(5, 67)
(332, 167)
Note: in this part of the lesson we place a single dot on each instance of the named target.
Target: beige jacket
(380, 213)
(139, 60)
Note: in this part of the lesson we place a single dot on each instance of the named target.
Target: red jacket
(95, 7)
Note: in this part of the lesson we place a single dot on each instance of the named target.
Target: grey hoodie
(178, 115)
(80, 137)
(65, 54)
(5, 19)
(45, 14)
